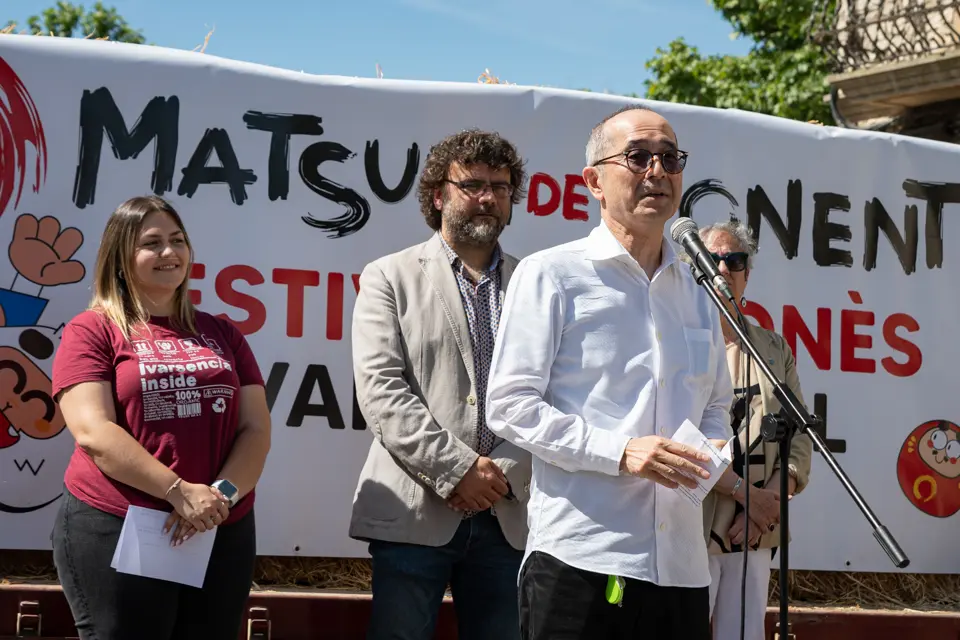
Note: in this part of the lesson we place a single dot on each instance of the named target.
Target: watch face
(226, 488)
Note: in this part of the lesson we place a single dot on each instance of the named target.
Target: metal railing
(857, 34)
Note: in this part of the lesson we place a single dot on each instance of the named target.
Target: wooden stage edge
(298, 614)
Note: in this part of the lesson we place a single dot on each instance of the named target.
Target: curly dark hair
(471, 146)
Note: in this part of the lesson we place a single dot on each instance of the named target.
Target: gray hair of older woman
(737, 230)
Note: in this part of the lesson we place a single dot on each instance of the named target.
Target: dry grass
(203, 47)
(346, 574)
(12, 29)
(488, 78)
(485, 78)
(807, 588)
(897, 591)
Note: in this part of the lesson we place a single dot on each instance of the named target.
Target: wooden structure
(896, 64)
(40, 611)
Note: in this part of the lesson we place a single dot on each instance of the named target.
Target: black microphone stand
(793, 417)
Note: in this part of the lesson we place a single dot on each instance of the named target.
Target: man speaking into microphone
(606, 347)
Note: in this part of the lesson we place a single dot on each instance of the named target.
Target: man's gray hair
(597, 143)
(736, 229)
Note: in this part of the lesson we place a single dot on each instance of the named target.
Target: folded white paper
(144, 550)
(691, 436)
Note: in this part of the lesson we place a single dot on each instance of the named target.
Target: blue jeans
(481, 568)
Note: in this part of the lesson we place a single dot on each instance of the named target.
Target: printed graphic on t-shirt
(212, 345)
(189, 344)
(143, 346)
(171, 374)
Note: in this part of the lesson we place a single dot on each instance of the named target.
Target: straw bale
(887, 591)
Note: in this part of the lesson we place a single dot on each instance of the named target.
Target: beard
(466, 226)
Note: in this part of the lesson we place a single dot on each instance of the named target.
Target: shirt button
(663, 383)
(663, 431)
(663, 526)
(659, 336)
(471, 399)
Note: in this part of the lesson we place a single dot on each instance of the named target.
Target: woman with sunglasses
(729, 533)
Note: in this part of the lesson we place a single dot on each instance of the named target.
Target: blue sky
(556, 43)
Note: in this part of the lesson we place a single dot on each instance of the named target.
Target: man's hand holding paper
(716, 458)
(667, 462)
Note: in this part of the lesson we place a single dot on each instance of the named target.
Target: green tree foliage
(67, 20)
(783, 75)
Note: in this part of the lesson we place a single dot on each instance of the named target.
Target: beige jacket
(718, 509)
(414, 372)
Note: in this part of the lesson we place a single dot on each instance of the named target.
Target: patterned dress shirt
(481, 303)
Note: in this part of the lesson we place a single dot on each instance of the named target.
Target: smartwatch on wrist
(228, 489)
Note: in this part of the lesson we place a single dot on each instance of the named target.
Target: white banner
(289, 184)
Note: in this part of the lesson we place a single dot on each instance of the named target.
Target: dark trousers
(481, 568)
(108, 605)
(559, 602)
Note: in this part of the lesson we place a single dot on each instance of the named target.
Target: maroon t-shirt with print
(177, 393)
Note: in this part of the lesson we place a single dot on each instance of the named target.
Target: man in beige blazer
(441, 499)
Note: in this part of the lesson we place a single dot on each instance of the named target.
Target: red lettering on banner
(758, 313)
(296, 281)
(534, 205)
(256, 312)
(568, 197)
(794, 327)
(334, 306)
(914, 357)
(197, 272)
(571, 198)
(854, 338)
(850, 340)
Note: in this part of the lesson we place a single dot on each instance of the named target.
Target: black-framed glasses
(476, 188)
(736, 261)
(640, 160)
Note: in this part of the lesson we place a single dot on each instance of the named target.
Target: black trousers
(108, 605)
(559, 602)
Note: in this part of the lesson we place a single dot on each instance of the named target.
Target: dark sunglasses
(736, 261)
(640, 160)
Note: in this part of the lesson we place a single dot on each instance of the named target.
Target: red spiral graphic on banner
(19, 124)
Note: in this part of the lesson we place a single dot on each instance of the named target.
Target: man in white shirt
(606, 346)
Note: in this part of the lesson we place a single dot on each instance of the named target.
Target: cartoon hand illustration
(41, 252)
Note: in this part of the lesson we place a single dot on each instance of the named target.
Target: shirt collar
(602, 245)
(455, 261)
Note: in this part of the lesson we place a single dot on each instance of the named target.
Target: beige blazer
(718, 510)
(414, 372)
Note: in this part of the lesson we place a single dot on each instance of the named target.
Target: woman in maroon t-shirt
(169, 412)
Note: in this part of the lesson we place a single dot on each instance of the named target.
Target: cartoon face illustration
(35, 445)
(939, 447)
(928, 468)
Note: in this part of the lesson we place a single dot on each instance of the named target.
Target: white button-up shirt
(590, 353)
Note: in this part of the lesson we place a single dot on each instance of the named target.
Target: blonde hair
(116, 293)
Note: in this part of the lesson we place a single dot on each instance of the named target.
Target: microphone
(685, 233)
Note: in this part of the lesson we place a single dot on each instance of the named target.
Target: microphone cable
(745, 359)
